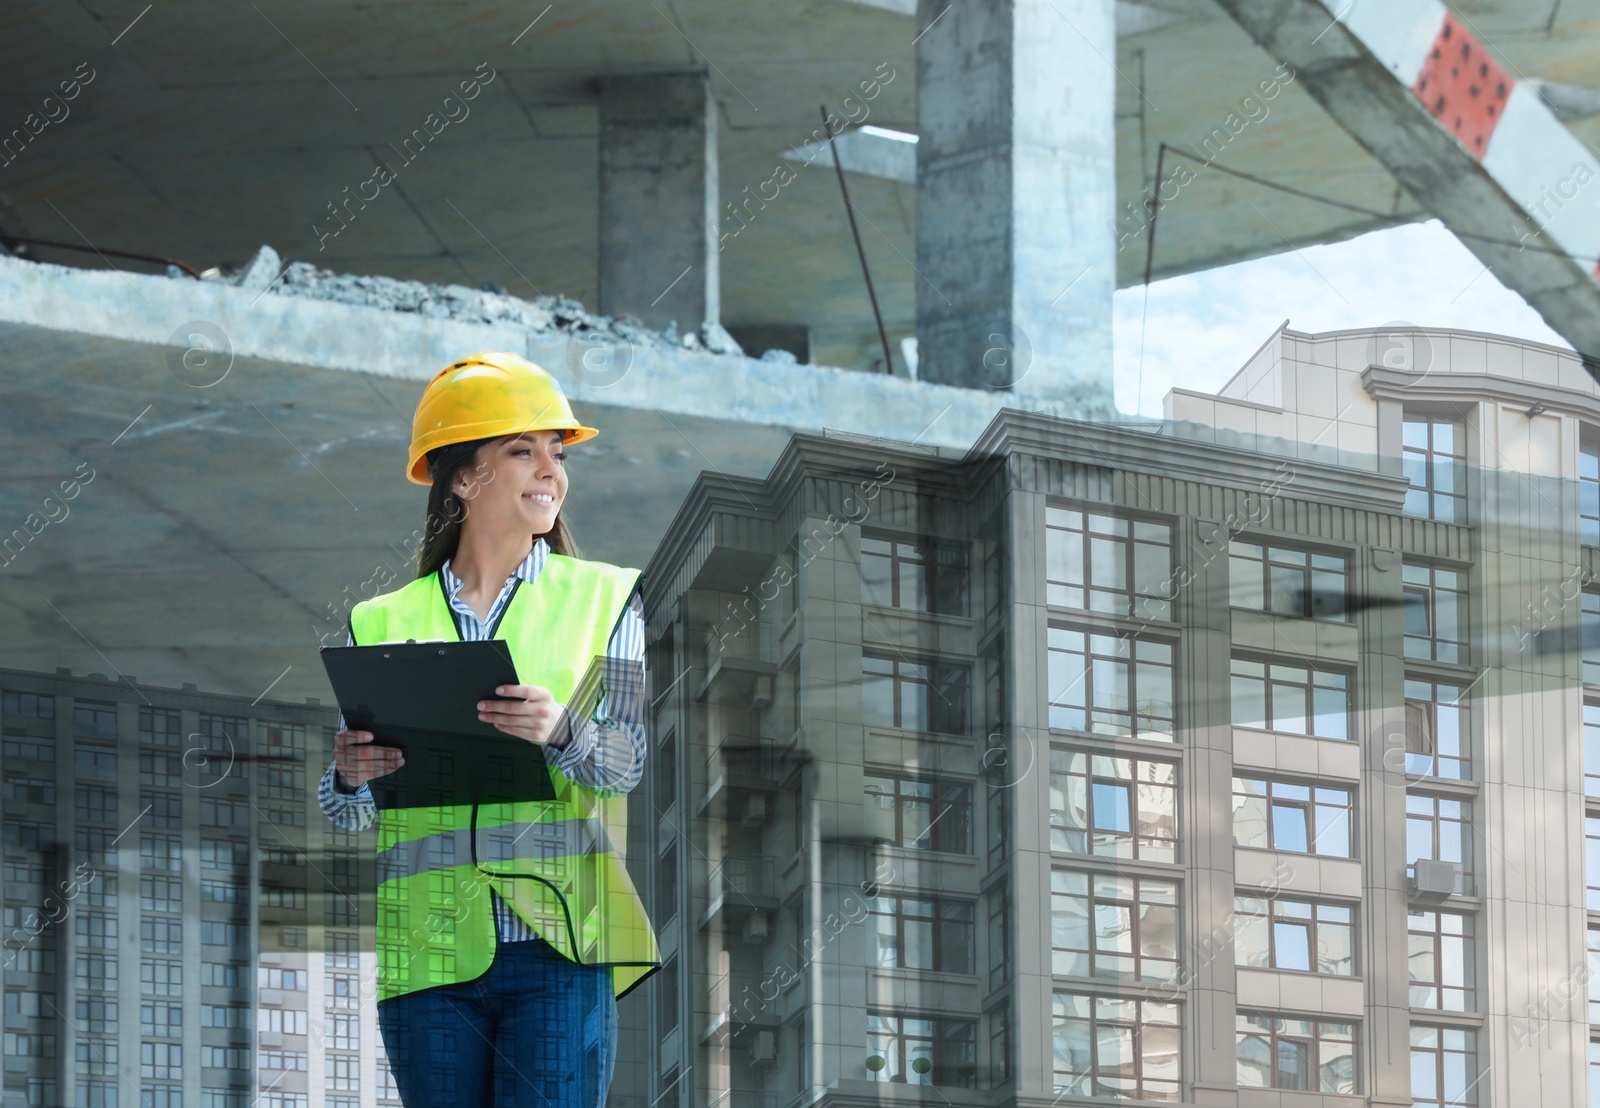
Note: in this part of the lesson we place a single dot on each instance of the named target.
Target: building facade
(1242, 759)
(182, 925)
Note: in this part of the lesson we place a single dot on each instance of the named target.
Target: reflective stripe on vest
(557, 863)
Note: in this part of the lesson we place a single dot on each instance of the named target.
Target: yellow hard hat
(485, 396)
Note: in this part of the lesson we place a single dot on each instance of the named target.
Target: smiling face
(517, 484)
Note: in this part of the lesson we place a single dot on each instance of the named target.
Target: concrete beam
(658, 199)
(870, 151)
(1016, 185)
(594, 367)
(1470, 139)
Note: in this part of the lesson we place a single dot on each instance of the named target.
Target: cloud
(1200, 328)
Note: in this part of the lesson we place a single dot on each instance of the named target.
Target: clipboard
(422, 698)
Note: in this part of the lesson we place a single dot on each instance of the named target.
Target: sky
(1202, 327)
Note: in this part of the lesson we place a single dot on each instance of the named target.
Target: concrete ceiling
(209, 129)
(219, 530)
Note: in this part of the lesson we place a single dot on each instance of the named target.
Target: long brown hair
(446, 510)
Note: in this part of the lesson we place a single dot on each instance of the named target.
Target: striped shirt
(605, 753)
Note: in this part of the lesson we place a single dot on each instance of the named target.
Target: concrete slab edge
(593, 366)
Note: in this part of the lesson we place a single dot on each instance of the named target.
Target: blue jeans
(536, 1030)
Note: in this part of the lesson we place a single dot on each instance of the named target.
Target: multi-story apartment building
(182, 926)
(1247, 758)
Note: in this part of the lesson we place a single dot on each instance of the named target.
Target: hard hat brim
(417, 470)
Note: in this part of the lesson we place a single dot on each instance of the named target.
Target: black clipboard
(422, 697)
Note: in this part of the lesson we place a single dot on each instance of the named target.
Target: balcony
(742, 775)
(739, 885)
(738, 669)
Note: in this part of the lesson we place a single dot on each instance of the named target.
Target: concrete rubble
(490, 304)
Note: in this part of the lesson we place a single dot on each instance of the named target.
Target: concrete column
(1015, 196)
(658, 199)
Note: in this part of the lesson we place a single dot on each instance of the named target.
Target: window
(285, 1021)
(1296, 700)
(28, 749)
(96, 930)
(282, 782)
(225, 1057)
(1589, 639)
(222, 813)
(1110, 684)
(1594, 973)
(1589, 499)
(28, 705)
(25, 1002)
(1433, 454)
(224, 737)
(220, 933)
(1102, 563)
(286, 741)
(224, 854)
(161, 1060)
(1440, 961)
(161, 935)
(94, 721)
(667, 884)
(343, 991)
(1444, 1066)
(920, 814)
(1285, 934)
(1114, 1047)
(1285, 1052)
(342, 1032)
(1280, 815)
(160, 894)
(1435, 610)
(96, 804)
(161, 1017)
(29, 790)
(270, 977)
(162, 809)
(1439, 827)
(1438, 743)
(223, 1015)
(161, 977)
(1102, 925)
(999, 1046)
(1591, 748)
(916, 574)
(95, 763)
(96, 845)
(343, 1072)
(667, 997)
(159, 767)
(1288, 582)
(161, 1096)
(999, 935)
(999, 821)
(95, 972)
(1591, 861)
(161, 852)
(160, 727)
(343, 950)
(915, 1051)
(1114, 807)
(96, 1056)
(281, 1060)
(97, 1013)
(20, 834)
(918, 696)
(923, 934)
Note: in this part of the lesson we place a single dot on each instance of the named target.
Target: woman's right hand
(357, 761)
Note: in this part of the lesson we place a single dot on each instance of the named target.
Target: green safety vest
(435, 922)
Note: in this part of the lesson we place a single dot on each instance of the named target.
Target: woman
(506, 932)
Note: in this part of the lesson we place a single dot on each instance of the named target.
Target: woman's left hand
(534, 716)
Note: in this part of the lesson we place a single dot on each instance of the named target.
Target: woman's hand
(357, 761)
(534, 716)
